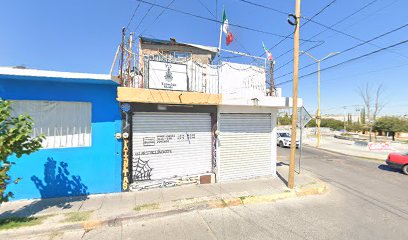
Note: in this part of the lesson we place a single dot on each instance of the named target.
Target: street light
(318, 117)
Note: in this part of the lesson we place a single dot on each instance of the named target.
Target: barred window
(64, 124)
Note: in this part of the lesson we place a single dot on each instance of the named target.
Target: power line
(287, 36)
(208, 10)
(133, 15)
(213, 20)
(365, 17)
(151, 6)
(315, 15)
(349, 35)
(353, 47)
(265, 7)
(347, 61)
(160, 14)
(323, 31)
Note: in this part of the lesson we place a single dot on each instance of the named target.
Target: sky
(82, 36)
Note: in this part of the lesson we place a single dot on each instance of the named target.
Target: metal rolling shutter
(245, 146)
(172, 144)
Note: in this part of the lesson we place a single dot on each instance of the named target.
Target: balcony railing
(158, 72)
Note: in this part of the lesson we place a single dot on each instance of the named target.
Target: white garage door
(245, 146)
(166, 145)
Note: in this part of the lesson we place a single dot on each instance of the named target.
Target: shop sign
(168, 76)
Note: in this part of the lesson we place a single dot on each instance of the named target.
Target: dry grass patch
(149, 206)
(77, 216)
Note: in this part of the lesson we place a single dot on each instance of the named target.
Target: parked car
(284, 139)
(398, 161)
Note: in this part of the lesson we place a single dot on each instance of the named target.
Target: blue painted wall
(69, 171)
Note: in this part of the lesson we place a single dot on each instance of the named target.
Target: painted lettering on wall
(149, 141)
(170, 153)
(125, 167)
(152, 152)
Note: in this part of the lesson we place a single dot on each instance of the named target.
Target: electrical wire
(353, 47)
(160, 14)
(133, 15)
(235, 39)
(347, 61)
(216, 21)
(323, 31)
(351, 36)
(265, 7)
(151, 6)
(287, 36)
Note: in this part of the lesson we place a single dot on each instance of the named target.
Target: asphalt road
(365, 201)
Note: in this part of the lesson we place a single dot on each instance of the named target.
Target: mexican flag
(225, 28)
(268, 53)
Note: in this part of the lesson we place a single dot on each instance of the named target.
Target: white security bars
(64, 124)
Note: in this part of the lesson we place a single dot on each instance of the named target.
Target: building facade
(79, 116)
(187, 118)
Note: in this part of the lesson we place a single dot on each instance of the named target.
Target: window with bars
(64, 124)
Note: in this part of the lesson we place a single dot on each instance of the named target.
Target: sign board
(168, 76)
(303, 117)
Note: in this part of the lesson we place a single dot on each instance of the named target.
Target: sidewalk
(91, 211)
(348, 147)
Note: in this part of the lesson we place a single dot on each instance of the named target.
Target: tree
(391, 125)
(285, 120)
(15, 139)
(372, 102)
(362, 116)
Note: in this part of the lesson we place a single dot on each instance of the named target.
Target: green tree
(362, 116)
(15, 138)
(332, 123)
(285, 120)
(391, 125)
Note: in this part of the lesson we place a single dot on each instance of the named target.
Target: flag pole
(219, 61)
(219, 42)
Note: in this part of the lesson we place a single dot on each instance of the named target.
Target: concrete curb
(177, 207)
(345, 154)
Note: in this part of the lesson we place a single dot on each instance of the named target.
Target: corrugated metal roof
(170, 42)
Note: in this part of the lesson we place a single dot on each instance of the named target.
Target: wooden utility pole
(130, 58)
(291, 178)
(122, 46)
(272, 88)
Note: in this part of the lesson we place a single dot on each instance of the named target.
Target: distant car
(398, 161)
(284, 139)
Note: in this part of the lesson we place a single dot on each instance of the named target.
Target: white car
(284, 139)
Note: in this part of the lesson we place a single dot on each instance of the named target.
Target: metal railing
(225, 78)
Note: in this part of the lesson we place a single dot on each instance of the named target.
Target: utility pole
(122, 57)
(272, 80)
(291, 178)
(130, 58)
(318, 117)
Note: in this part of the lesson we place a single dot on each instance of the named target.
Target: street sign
(304, 117)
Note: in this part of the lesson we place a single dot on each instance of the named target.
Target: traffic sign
(304, 117)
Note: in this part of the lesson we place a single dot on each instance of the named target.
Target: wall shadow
(58, 189)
